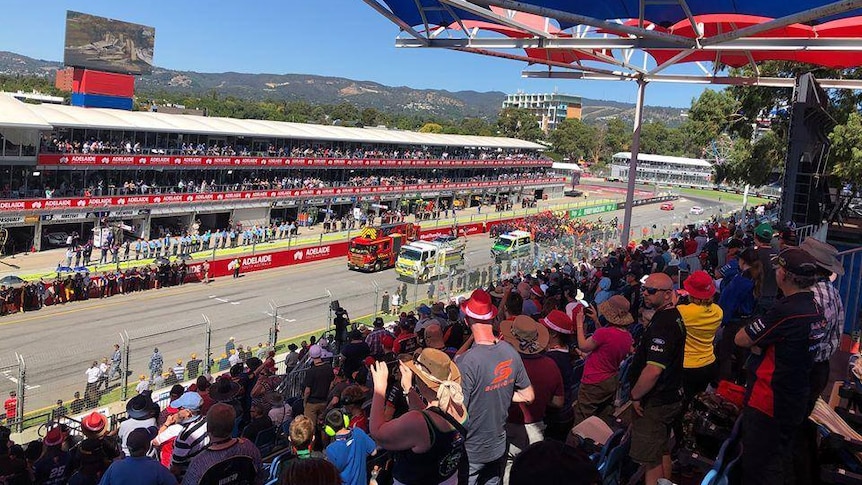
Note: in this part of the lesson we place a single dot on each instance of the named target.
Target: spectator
(311, 471)
(354, 352)
(353, 398)
(179, 371)
(779, 370)
(428, 441)
(225, 460)
(607, 347)
(77, 404)
(560, 331)
(702, 318)
(302, 437)
(53, 467)
(140, 414)
(202, 387)
(349, 449)
(763, 235)
(192, 439)
(525, 424)
(279, 411)
(737, 302)
(407, 341)
(143, 384)
(60, 411)
(604, 291)
(375, 338)
(230, 345)
(318, 378)
(434, 340)
(260, 421)
(137, 468)
(492, 376)
(169, 429)
(656, 374)
(174, 394)
(292, 358)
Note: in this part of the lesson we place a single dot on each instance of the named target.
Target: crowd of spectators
(521, 382)
(162, 183)
(120, 145)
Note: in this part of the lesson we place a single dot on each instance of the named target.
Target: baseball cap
(764, 231)
(189, 400)
(796, 261)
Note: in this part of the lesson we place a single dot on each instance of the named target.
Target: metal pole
(208, 343)
(376, 307)
(124, 337)
(415, 291)
(329, 308)
(22, 377)
(633, 163)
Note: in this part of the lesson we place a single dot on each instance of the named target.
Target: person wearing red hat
(493, 376)
(53, 467)
(701, 317)
(560, 335)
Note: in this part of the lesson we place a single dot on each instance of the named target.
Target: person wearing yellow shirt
(702, 318)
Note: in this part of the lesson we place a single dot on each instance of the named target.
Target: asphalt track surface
(60, 342)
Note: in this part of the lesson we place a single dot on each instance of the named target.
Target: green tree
(519, 123)
(754, 163)
(710, 114)
(847, 151)
(619, 135)
(475, 126)
(431, 128)
(575, 140)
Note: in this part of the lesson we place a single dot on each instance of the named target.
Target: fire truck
(376, 248)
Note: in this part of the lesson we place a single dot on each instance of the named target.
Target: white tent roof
(46, 116)
(646, 157)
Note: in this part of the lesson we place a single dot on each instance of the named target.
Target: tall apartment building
(550, 109)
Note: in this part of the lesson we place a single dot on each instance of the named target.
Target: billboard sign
(104, 44)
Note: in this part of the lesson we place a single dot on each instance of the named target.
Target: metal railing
(850, 288)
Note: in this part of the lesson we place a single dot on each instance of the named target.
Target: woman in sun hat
(608, 347)
(702, 318)
(428, 441)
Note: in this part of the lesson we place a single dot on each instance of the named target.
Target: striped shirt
(238, 464)
(191, 441)
(829, 300)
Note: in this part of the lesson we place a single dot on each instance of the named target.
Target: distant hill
(330, 90)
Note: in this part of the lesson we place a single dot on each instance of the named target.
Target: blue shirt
(737, 299)
(137, 470)
(348, 452)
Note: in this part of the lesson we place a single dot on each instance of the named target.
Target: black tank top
(444, 459)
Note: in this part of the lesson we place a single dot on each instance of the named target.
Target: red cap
(559, 322)
(700, 285)
(54, 437)
(94, 422)
(537, 290)
(479, 306)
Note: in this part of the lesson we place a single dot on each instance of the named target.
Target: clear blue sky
(343, 38)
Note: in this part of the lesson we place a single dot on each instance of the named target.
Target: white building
(662, 169)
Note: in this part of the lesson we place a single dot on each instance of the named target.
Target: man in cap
(192, 439)
(225, 460)
(137, 468)
(525, 424)
(492, 377)
(779, 369)
(656, 375)
(193, 366)
(354, 352)
(318, 379)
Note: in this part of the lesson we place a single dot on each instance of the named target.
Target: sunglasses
(652, 291)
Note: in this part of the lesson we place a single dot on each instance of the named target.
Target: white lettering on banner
(11, 220)
(13, 205)
(255, 262)
(297, 256)
(318, 252)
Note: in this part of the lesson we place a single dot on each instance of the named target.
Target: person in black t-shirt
(354, 353)
(782, 343)
(656, 376)
(317, 381)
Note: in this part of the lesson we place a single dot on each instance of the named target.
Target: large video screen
(104, 44)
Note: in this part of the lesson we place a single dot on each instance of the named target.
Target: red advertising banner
(277, 259)
(84, 203)
(138, 161)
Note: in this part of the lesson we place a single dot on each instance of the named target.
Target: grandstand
(662, 169)
(74, 166)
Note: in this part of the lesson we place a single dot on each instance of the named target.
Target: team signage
(84, 203)
(96, 160)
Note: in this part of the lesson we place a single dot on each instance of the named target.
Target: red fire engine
(376, 248)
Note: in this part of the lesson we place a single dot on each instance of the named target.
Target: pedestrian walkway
(32, 266)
